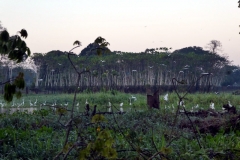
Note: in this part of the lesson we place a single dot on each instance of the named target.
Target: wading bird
(166, 97)
(66, 104)
(133, 97)
(35, 103)
(109, 107)
(30, 103)
(212, 105)
(121, 107)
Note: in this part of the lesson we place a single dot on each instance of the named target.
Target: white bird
(212, 105)
(166, 97)
(181, 103)
(54, 103)
(35, 103)
(77, 104)
(30, 103)
(130, 102)
(44, 103)
(66, 104)
(224, 110)
(121, 108)
(192, 110)
(230, 105)
(134, 98)
(121, 104)
(109, 107)
(86, 102)
(197, 106)
(23, 102)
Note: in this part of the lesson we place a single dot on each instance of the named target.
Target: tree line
(135, 69)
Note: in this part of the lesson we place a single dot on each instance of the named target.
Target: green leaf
(98, 118)
(99, 40)
(23, 33)
(18, 94)
(28, 51)
(4, 36)
(61, 111)
(77, 43)
(166, 150)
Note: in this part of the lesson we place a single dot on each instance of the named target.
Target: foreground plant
(14, 49)
(102, 146)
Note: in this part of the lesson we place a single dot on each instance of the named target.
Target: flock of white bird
(194, 108)
(131, 100)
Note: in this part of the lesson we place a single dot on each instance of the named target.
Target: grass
(102, 98)
(38, 135)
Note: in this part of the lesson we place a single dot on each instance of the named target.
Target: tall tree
(214, 46)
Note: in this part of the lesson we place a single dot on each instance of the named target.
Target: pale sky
(128, 25)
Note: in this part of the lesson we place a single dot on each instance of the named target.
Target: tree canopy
(15, 49)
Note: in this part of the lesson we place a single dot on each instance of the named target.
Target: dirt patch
(208, 121)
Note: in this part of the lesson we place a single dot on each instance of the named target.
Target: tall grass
(101, 99)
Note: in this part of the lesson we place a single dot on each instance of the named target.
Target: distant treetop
(194, 49)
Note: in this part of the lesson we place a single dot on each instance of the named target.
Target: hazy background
(128, 25)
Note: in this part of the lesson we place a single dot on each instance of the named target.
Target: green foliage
(4, 36)
(15, 49)
(14, 88)
(61, 111)
(98, 47)
(101, 147)
(24, 135)
(98, 118)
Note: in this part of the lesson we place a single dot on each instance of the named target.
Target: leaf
(77, 43)
(105, 44)
(4, 36)
(163, 144)
(61, 111)
(166, 150)
(23, 45)
(77, 120)
(67, 147)
(28, 51)
(23, 33)
(5, 48)
(99, 40)
(98, 118)
(18, 94)
(84, 153)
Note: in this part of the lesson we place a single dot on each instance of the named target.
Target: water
(12, 110)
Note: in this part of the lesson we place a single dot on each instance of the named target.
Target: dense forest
(116, 69)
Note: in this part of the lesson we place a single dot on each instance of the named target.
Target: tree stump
(153, 100)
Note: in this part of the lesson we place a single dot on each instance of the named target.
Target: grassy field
(101, 99)
(139, 133)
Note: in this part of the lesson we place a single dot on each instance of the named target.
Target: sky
(128, 25)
